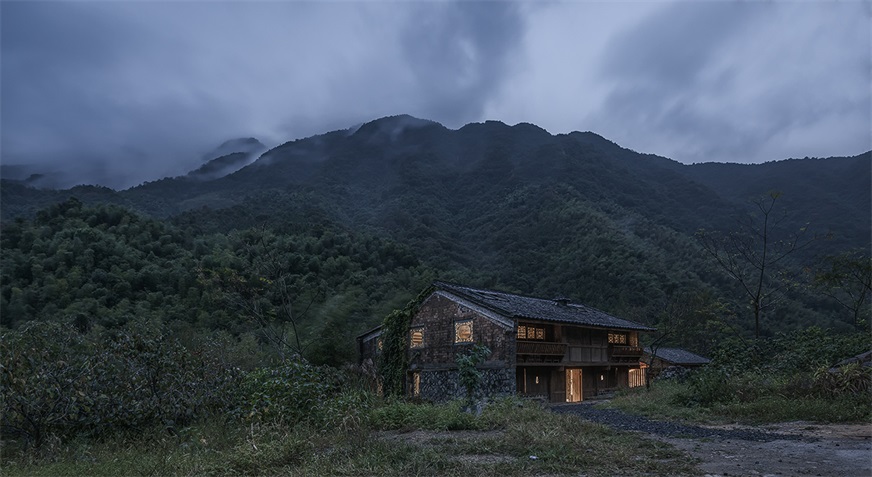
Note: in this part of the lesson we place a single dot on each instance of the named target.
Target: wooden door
(573, 385)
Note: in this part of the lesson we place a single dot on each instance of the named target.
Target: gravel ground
(628, 422)
(781, 450)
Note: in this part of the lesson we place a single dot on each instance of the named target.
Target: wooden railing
(626, 351)
(538, 347)
(587, 354)
(578, 353)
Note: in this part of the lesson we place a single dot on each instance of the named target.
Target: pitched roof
(523, 307)
(678, 356)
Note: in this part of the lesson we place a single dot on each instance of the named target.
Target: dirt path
(833, 453)
(787, 449)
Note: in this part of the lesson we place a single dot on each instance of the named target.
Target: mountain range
(510, 207)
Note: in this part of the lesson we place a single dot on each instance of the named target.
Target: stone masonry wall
(435, 360)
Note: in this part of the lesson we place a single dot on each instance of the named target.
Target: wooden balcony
(541, 348)
(626, 352)
(539, 351)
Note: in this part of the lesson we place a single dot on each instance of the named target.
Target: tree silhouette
(755, 253)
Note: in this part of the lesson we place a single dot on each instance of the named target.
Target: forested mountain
(509, 207)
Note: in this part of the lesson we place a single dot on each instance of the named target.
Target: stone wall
(435, 361)
(436, 317)
(444, 385)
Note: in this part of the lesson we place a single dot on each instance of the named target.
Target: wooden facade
(548, 349)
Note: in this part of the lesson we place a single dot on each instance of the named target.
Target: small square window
(463, 331)
(417, 338)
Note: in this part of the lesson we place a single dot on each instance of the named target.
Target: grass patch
(394, 439)
(669, 400)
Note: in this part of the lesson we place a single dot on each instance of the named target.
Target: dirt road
(787, 449)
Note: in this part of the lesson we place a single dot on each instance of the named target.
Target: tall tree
(755, 253)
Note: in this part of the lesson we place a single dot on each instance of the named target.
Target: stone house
(548, 348)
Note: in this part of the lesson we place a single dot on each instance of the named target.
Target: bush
(298, 392)
(406, 416)
(706, 387)
(59, 382)
(851, 379)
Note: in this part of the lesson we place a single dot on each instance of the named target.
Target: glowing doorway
(573, 385)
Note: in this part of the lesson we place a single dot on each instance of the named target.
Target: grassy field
(510, 438)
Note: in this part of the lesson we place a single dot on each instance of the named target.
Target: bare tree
(755, 253)
(847, 278)
(264, 293)
(691, 319)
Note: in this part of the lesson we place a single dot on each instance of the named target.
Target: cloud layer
(126, 92)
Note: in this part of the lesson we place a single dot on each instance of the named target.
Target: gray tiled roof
(678, 356)
(523, 307)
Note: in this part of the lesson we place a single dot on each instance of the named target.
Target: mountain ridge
(513, 208)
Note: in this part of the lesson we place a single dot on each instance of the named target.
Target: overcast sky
(145, 88)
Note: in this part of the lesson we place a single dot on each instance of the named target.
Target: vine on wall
(394, 360)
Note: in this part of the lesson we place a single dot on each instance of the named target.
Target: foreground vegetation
(786, 378)
(394, 439)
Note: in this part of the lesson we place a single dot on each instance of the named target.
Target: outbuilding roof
(678, 356)
(558, 310)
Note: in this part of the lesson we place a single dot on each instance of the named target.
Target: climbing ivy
(394, 360)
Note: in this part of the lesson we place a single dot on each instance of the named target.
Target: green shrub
(298, 392)
(406, 416)
(851, 379)
(467, 373)
(56, 381)
(706, 387)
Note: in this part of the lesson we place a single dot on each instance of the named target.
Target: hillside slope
(517, 208)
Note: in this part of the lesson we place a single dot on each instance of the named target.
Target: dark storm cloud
(140, 90)
(672, 45)
(459, 53)
(120, 92)
(657, 67)
(741, 81)
(76, 97)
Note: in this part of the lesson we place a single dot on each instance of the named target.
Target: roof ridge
(515, 305)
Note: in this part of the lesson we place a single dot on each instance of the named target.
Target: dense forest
(356, 222)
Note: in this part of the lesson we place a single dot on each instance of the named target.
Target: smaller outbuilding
(664, 358)
(862, 359)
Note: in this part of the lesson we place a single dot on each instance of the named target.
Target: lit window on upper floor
(528, 332)
(416, 338)
(463, 331)
(617, 338)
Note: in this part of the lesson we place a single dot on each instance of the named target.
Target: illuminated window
(527, 332)
(634, 339)
(417, 338)
(463, 331)
(380, 344)
(617, 338)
